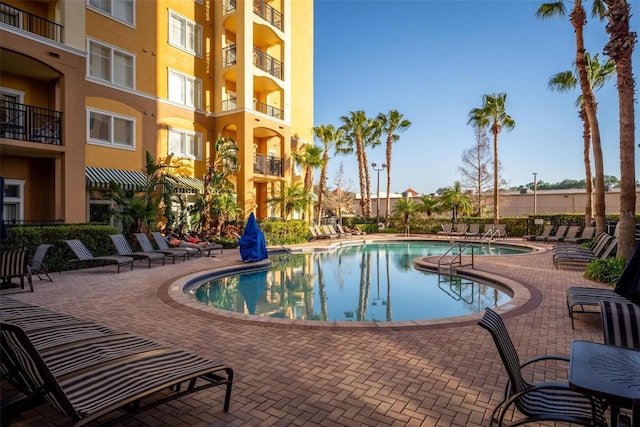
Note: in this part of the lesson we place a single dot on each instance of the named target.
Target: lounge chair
(89, 380)
(333, 230)
(324, 233)
(560, 231)
(543, 401)
(446, 229)
(314, 233)
(85, 257)
(585, 258)
(473, 231)
(586, 235)
(124, 249)
(38, 266)
(594, 246)
(621, 323)
(341, 230)
(145, 244)
(13, 264)
(582, 296)
(571, 233)
(163, 244)
(545, 232)
(460, 230)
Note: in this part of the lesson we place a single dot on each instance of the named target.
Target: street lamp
(535, 193)
(375, 168)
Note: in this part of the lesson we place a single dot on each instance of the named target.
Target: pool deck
(287, 372)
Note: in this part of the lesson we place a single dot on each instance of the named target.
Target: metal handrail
(34, 24)
(457, 259)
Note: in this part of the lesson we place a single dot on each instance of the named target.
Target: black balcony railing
(229, 6)
(29, 123)
(267, 63)
(267, 165)
(268, 13)
(229, 104)
(229, 56)
(268, 109)
(24, 20)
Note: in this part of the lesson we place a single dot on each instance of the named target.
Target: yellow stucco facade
(117, 79)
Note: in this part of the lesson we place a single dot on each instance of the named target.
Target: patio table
(608, 372)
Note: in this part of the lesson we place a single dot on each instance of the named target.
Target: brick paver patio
(434, 374)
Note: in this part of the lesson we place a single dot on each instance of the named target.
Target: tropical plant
(391, 124)
(493, 115)
(429, 205)
(406, 209)
(564, 81)
(578, 19)
(328, 136)
(454, 198)
(606, 270)
(620, 49)
(309, 158)
(359, 131)
(292, 197)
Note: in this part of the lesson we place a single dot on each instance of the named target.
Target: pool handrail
(458, 257)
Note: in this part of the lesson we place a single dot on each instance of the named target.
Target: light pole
(375, 168)
(535, 193)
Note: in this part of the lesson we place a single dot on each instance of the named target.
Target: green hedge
(95, 237)
(279, 232)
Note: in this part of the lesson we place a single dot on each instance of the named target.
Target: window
(185, 90)
(110, 129)
(13, 203)
(110, 64)
(183, 143)
(185, 34)
(122, 10)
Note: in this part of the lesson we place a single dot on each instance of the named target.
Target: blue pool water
(371, 282)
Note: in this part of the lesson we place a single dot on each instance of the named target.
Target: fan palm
(620, 49)
(455, 198)
(493, 115)
(391, 124)
(406, 209)
(578, 19)
(291, 198)
(565, 81)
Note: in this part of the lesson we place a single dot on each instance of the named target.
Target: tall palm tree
(493, 115)
(565, 81)
(310, 158)
(620, 49)
(328, 136)
(391, 124)
(578, 19)
(358, 128)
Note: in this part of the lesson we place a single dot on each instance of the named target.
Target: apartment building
(89, 87)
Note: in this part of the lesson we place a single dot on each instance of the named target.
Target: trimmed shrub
(605, 270)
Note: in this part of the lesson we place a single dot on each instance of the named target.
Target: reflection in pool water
(372, 282)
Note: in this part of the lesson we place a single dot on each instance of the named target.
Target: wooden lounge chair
(13, 264)
(85, 257)
(163, 244)
(543, 401)
(89, 380)
(38, 266)
(124, 249)
(145, 244)
(621, 323)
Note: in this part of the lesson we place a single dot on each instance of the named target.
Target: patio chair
(586, 235)
(314, 233)
(579, 297)
(585, 258)
(325, 232)
(163, 244)
(132, 382)
(145, 244)
(571, 233)
(545, 232)
(473, 231)
(38, 266)
(594, 246)
(560, 231)
(342, 231)
(543, 401)
(621, 323)
(460, 230)
(85, 257)
(124, 249)
(13, 264)
(333, 230)
(446, 229)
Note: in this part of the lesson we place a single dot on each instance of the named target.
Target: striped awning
(136, 180)
(127, 180)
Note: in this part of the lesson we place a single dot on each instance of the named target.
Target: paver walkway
(433, 375)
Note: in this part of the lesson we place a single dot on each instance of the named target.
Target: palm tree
(429, 205)
(620, 49)
(405, 209)
(566, 81)
(455, 198)
(291, 198)
(493, 115)
(390, 124)
(328, 135)
(578, 19)
(310, 158)
(358, 128)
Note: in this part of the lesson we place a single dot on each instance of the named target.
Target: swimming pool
(373, 282)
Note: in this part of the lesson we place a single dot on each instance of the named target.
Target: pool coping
(525, 297)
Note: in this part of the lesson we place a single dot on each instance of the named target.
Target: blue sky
(433, 61)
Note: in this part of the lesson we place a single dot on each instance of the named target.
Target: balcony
(229, 56)
(29, 123)
(229, 104)
(268, 13)
(267, 165)
(26, 21)
(268, 109)
(229, 6)
(267, 63)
